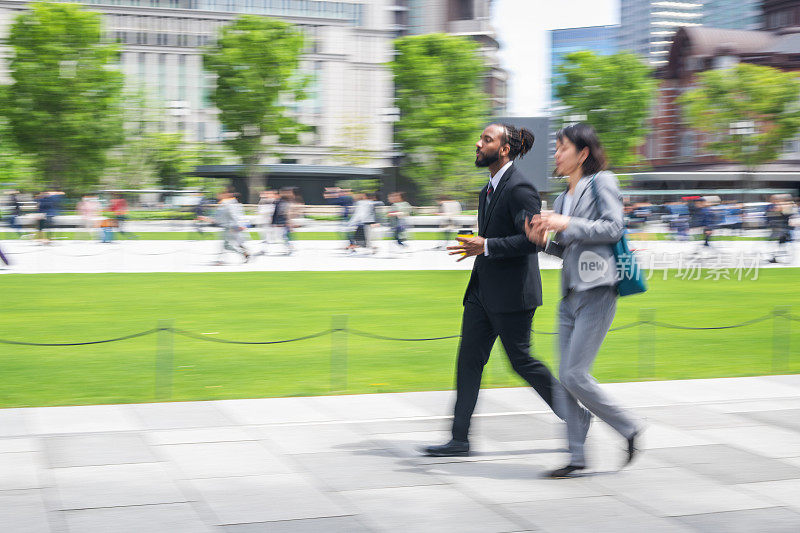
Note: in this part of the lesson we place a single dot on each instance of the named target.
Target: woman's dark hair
(584, 136)
(520, 140)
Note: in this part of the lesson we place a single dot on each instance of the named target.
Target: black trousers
(479, 330)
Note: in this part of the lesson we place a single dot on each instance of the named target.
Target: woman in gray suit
(587, 219)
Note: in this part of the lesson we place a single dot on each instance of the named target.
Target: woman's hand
(536, 230)
(555, 222)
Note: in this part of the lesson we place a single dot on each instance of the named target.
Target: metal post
(781, 338)
(164, 360)
(339, 353)
(647, 343)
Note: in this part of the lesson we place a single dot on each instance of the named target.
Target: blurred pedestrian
(90, 211)
(505, 286)
(119, 209)
(398, 213)
(282, 217)
(363, 216)
(15, 204)
(230, 217)
(266, 209)
(588, 218)
(449, 211)
(48, 206)
(779, 217)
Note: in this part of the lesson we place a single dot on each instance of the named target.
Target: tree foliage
(256, 61)
(727, 103)
(63, 104)
(614, 93)
(443, 108)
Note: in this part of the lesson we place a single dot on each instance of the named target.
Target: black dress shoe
(454, 448)
(566, 472)
(632, 449)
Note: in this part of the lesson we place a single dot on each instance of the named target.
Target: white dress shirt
(494, 181)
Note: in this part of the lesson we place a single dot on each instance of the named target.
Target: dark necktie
(489, 192)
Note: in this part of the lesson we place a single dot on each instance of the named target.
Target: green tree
(755, 107)
(443, 108)
(63, 104)
(256, 61)
(615, 94)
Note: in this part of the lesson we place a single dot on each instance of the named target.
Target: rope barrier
(384, 338)
(376, 336)
(116, 339)
(743, 324)
(226, 341)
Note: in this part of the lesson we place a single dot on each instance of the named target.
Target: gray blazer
(596, 222)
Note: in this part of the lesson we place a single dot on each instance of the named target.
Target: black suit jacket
(508, 279)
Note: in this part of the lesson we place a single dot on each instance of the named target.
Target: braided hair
(519, 139)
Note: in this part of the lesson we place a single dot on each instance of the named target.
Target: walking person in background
(363, 216)
(119, 210)
(48, 204)
(230, 217)
(779, 219)
(399, 211)
(282, 217)
(505, 286)
(449, 210)
(587, 220)
(266, 209)
(16, 212)
(90, 210)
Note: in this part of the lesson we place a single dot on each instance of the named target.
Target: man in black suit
(505, 287)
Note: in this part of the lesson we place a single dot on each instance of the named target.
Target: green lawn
(273, 306)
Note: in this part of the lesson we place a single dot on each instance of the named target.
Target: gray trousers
(584, 320)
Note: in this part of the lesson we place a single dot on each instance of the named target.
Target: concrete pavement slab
(223, 459)
(677, 492)
(784, 492)
(273, 411)
(14, 422)
(180, 415)
(316, 438)
(785, 418)
(334, 524)
(769, 441)
(20, 470)
(726, 464)
(89, 487)
(23, 510)
(772, 520)
(599, 514)
(513, 480)
(197, 435)
(161, 518)
(20, 444)
(249, 499)
(427, 509)
(363, 469)
(82, 419)
(96, 449)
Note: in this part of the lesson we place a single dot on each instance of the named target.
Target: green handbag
(631, 280)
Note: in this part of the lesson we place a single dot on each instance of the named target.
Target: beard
(482, 160)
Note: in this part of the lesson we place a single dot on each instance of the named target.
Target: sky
(522, 27)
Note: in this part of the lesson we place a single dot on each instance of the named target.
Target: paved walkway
(28, 257)
(721, 455)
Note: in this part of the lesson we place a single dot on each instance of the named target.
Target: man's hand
(467, 247)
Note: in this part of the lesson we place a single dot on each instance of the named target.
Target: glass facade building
(602, 40)
(647, 26)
